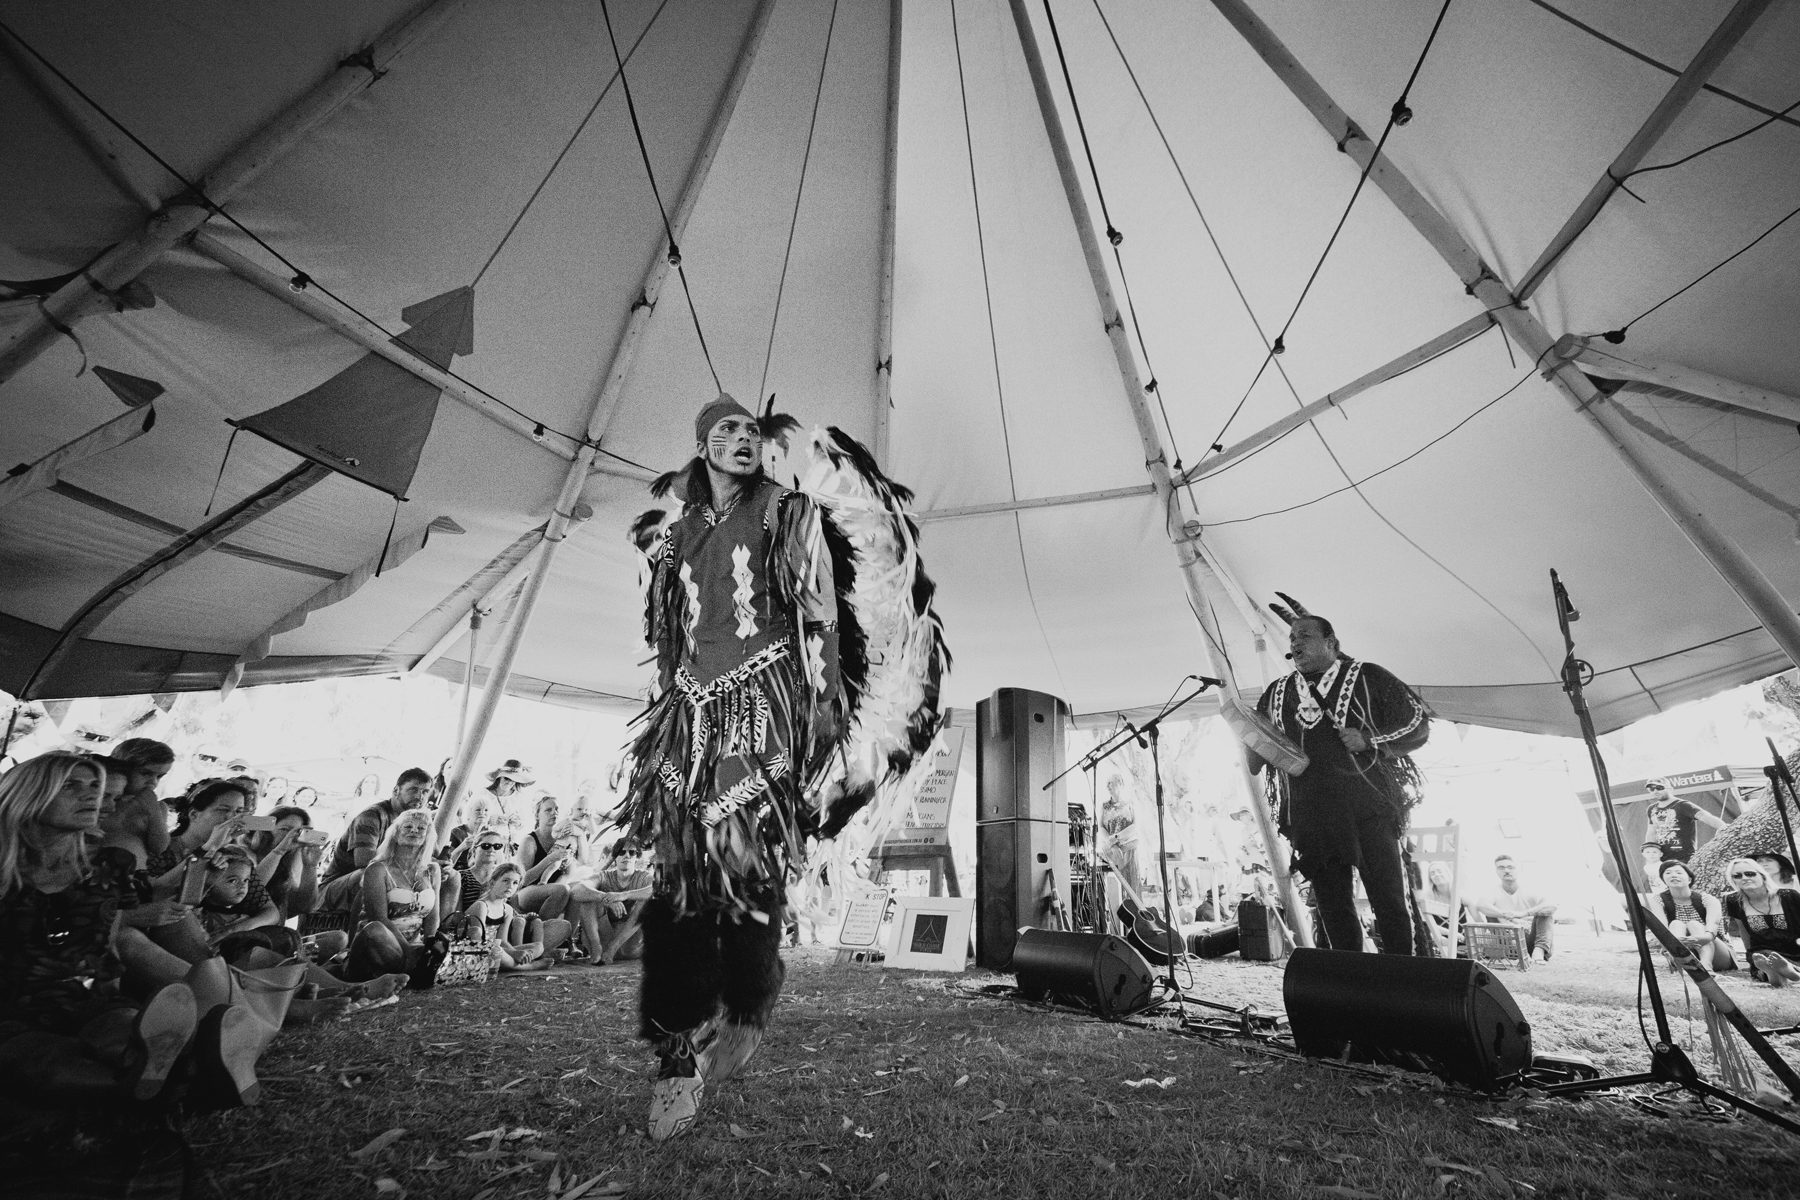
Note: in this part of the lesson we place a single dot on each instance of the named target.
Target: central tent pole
(1203, 586)
(890, 203)
(569, 509)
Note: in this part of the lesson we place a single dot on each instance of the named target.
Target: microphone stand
(1172, 950)
(1669, 1063)
(1781, 779)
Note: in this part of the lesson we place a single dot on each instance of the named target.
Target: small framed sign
(861, 928)
(931, 933)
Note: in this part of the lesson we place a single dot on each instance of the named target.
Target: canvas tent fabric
(489, 146)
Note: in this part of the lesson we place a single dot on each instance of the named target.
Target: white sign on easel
(928, 824)
(860, 935)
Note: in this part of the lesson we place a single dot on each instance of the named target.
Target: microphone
(1208, 680)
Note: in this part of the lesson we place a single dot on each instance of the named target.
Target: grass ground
(894, 1084)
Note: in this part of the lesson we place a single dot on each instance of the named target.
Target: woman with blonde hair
(401, 887)
(68, 1033)
(1770, 919)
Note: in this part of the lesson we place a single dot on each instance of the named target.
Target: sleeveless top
(408, 907)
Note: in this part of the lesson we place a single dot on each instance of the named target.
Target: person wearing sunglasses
(1671, 822)
(1770, 919)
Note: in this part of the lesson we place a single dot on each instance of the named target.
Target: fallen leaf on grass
(1165, 1082)
(582, 1189)
(380, 1143)
(1502, 1122)
(388, 1187)
(1349, 1193)
(961, 1079)
(738, 1131)
(497, 1132)
(879, 1180)
(1105, 1164)
(1443, 1165)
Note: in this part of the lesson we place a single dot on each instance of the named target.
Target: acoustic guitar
(1149, 934)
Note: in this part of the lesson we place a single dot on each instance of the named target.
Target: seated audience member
(1770, 919)
(542, 861)
(1695, 917)
(305, 796)
(474, 819)
(69, 1032)
(504, 781)
(1437, 900)
(252, 787)
(286, 866)
(1531, 911)
(1777, 867)
(140, 823)
(237, 920)
(623, 885)
(490, 850)
(357, 845)
(493, 922)
(400, 901)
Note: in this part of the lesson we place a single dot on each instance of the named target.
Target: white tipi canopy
(874, 223)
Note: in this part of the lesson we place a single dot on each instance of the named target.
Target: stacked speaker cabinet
(1021, 829)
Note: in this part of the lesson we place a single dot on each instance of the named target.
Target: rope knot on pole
(364, 58)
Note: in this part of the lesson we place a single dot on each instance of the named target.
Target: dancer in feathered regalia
(767, 605)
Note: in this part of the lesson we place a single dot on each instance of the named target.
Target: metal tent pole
(568, 508)
(1202, 584)
(186, 212)
(1726, 556)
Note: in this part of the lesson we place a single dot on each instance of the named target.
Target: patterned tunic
(1317, 810)
(57, 967)
(741, 719)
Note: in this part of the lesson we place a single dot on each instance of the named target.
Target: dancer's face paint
(734, 446)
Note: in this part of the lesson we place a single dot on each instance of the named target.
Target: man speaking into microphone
(1357, 723)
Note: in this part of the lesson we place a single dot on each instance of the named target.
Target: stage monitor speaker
(1096, 970)
(1446, 1016)
(1018, 749)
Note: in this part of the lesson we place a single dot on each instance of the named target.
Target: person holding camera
(287, 859)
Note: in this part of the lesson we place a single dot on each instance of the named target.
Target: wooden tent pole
(1597, 357)
(568, 508)
(890, 204)
(489, 601)
(1202, 585)
(185, 213)
(1760, 596)
(373, 338)
(1688, 84)
(1336, 397)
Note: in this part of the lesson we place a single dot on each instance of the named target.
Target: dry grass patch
(892, 1084)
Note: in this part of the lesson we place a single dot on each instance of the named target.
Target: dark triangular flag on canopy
(370, 420)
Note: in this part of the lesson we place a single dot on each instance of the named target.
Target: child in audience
(494, 922)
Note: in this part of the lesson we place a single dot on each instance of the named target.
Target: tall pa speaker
(1021, 830)
(1446, 1016)
(1096, 970)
